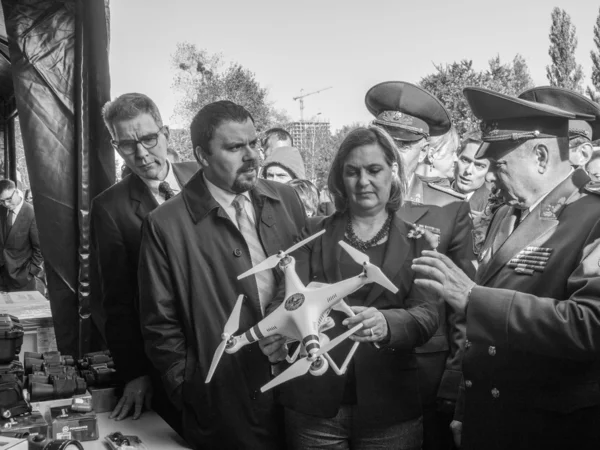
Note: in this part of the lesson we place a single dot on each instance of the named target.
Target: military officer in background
(531, 364)
(411, 116)
(581, 132)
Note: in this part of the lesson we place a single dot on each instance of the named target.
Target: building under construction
(307, 135)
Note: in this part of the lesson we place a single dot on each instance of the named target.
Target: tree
(595, 63)
(201, 78)
(447, 85)
(448, 82)
(181, 141)
(564, 70)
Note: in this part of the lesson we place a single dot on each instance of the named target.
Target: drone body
(303, 316)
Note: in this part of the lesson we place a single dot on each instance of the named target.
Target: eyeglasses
(4, 201)
(129, 147)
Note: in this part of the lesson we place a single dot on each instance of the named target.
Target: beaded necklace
(361, 245)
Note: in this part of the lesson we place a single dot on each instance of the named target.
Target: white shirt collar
(19, 206)
(170, 178)
(225, 199)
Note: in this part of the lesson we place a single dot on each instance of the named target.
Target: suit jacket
(387, 385)
(479, 202)
(479, 199)
(116, 233)
(531, 367)
(21, 253)
(190, 257)
(440, 358)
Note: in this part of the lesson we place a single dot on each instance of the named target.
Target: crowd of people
(491, 341)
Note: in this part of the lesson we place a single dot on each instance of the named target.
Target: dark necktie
(165, 190)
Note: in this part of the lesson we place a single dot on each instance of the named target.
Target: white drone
(303, 316)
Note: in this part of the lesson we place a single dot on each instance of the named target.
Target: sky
(348, 45)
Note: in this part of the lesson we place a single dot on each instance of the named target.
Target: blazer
(190, 257)
(531, 366)
(21, 254)
(440, 359)
(116, 233)
(387, 386)
(479, 199)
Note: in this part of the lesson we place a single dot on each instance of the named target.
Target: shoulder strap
(447, 190)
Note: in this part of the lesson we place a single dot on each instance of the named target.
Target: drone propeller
(273, 260)
(373, 272)
(302, 366)
(232, 325)
(358, 256)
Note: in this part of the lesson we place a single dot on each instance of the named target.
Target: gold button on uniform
(468, 383)
(491, 350)
(495, 393)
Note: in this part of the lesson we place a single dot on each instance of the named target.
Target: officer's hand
(443, 278)
(456, 428)
(137, 394)
(274, 347)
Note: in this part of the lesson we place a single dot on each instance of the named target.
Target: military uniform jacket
(190, 257)
(532, 365)
(444, 209)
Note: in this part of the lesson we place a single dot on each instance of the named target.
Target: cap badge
(396, 117)
(489, 128)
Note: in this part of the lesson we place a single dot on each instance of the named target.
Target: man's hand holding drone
(274, 348)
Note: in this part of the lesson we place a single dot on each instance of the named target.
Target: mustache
(248, 166)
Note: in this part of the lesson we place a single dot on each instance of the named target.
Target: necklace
(361, 245)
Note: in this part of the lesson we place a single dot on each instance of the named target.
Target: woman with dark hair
(376, 403)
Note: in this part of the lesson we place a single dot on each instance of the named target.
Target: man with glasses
(20, 257)
(140, 138)
(411, 116)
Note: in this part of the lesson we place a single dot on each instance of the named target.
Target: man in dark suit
(411, 116)
(531, 364)
(225, 221)
(21, 258)
(140, 138)
(469, 180)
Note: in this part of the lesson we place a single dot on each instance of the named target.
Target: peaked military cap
(406, 111)
(569, 101)
(505, 118)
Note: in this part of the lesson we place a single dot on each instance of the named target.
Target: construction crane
(301, 99)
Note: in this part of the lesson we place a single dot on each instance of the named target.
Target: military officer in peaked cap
(581, 132)
(411, 116)
(532, 357)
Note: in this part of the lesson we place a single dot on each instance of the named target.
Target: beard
(244, 181)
